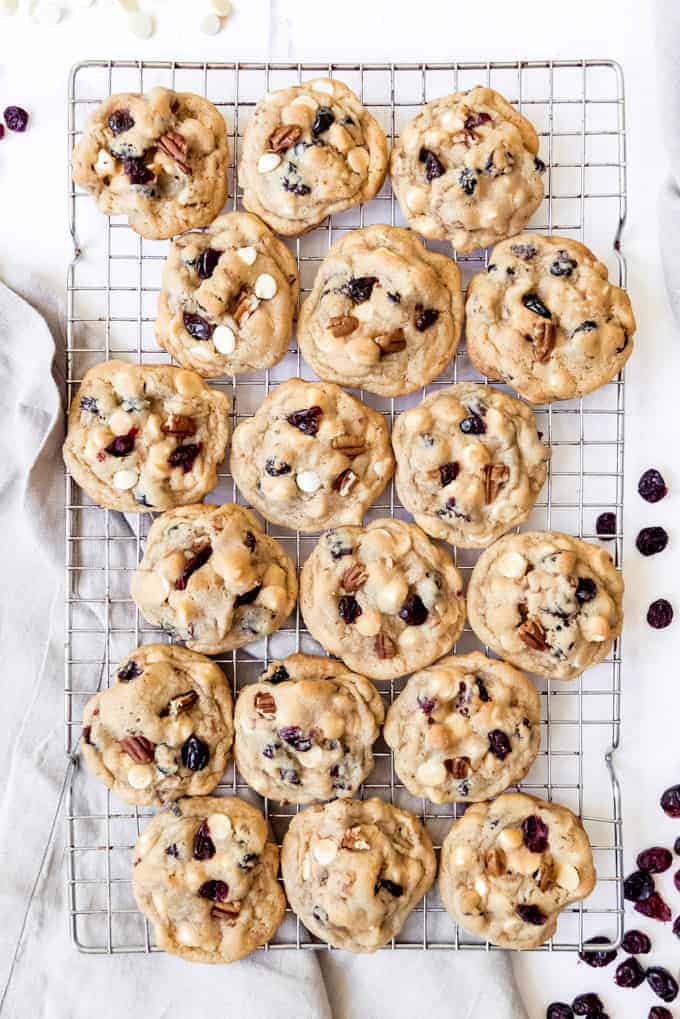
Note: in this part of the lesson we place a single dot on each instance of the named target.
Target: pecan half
(384, 646)
(392, 342)
(458, 766)
(182, 702)
(139, 748)
(495, 476)
(226, 912)
(265, 705)
(345, 481)
(494, 860)
(533, 634)
(343, 325)
(284, 137)
(353, 577)
(546, 875)
(244, 305)
(178, 424)
(543, 339)
(175, 146)
(350, 445)
(352, 839)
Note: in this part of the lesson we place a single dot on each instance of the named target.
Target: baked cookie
(465, 169)
(509, 867)
(354, 869)
(163, 730)
(145, 437)
(464, 730)
(383, 598)
(160, 159)
(546, 320)
(205, 877)
(470, 463)
(312, 456)
(385, 314)
(305, 730)
(308, 152)
(228, 297)
(547, 602)
(211, 577)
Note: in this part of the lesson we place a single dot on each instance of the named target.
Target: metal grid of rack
(578, 110)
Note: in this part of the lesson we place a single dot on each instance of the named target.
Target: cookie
(465, 169)
(145, 437)
(353, 870)
(546, 320)
(383, 598)
(228, 298)
(205, 877)
(211, 577)
(163, 730)
(305, 730)
(312, 456)
(508, 868)
(470, 463)
(385, 314)
(308, 152)
(546, 602)
(160, 159)
(464, 730)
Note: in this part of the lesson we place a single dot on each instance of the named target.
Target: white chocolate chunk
(369, 623)
(140, 776)
(124, 480)
(267, 162)
(308, 481)
(141, 25)
(481, 887)
(512, 565)
(358, 159)
(247, 254)
(211, 25)
(567, 877)
(265, 287)
(510, 838)
(432, 773)
(104, 163)
(120, 422)
(416, 200)
(224, 340)
(220, 826)
(325, 850)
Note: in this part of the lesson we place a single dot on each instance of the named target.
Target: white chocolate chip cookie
(160, 159)
(145, 437)
(308, 152)
(312, 456)
(228, 298)
(353, 870)
(465, 729)
(465, 169)
(305, 730)
(508, 868)
(545, 319)
(383, 598)
(213, 578)
(205, 877)
(470, 463)
(163, 730)
(547, 602)
(385, 314)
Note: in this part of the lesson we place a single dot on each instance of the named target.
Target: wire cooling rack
(578, 109)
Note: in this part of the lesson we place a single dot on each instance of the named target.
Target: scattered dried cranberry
(654, 907)
(676, 879)
(390, 886)
(425, 317)
(207, 262)
(413, 612)
(216, 891)
(89, 404)
(195, 754)
(662, 983)
(197, 326)
(427, 704)
(16, 118)
(323, 120)
(307, 421)
(587, 1004)
(172, 850)
(676, 926)
(629, 973)
(651, 540)
(655, 860)
(279, 675)
(87, 729)
(122, 445)
(360, 288)
(670, 801)
(597, 959)
(636, 943)
(499, 744)
(676, 846)
(484, 695)
(289, 775)
(468, 180)
(193, 564)
(136, 171)
(660, 614)
(275, 468)
(585, 590)
(184, 456)
(294, 735)
(532, 302)
(605, 526)
(476, 120)
(129, 671)
(204, 847)
(659, 1012)
(472, 425)
(349, 609)
(559, 1010)
(652, 486)
(433, 166)
(2, 131)
(120, 120)
(563, 265)
(530, 914)
(534, 830)
(448, 472)
(637, 886)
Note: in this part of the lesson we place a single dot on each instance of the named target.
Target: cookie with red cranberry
(546, 602)
(545, 319)
(205, 876)
(464, 730)
(509, 867)
(353, 870)
(306, 729)
(308, 152)
(144, 437)
(163, 730)
(385, 313)
(470, 463)
(383, 598)
(312, 456)
(211, 577)
(228, 298)
(160, 159)
(465, 169)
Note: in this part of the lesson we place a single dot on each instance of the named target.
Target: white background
(34, 62)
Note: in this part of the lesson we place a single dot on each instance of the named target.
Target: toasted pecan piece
(543, 339)
(139, 748)
(458, 766)
(384, 646)
(350, 445)
(345, 481)
(178, 424)
(495, 476)
(392, 342)
(533, 634)
(175, 146)
(353, 577)
(265, 705)
(352, 839)
(343, 325)
(284, 137)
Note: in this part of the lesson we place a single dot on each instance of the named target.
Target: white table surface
(34, 62)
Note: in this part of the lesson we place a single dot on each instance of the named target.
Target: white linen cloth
(51, 978)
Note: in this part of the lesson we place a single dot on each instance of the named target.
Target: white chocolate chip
(432, 773)
(104, 164)
(567, 877)
(224, 340)
(481, 887)
(369, 623)
(358, 159)
(416, 200)
(247, 254)
(265, 287)
(325, 850)
(222, 7)
(120, 422)
(324, 85)
(141, 25)
(211, 25)
(308, 481)
(595, 628)
(140, 776)
(512, 565)
(391, 596)
(268, 162)
(510, 838)
(220, 826)
(340, 138)
(124, 480)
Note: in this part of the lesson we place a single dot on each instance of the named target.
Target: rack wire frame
(578, 107)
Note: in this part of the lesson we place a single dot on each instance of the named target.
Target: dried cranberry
(654, 907)
(307, 421)
(172, 850)
(484, 695)
(468, 181)
(587, 1004)
(655, 860)
(193, 564)
(472, 425)
(433, 165)
(427, 704)
(122, 445)
(360, 288)
(269, 751)
(120, 120)
(637, 886)
(197, 326)
(585, 590)
(532, 302)
(216, 891)
(559, 1010)
(413, 612)
(652, 486)
(16, 118)
(89, 404)
(249, 541)
(275, 468)
(563, 265)
(499, 744)
(651, 540)
(289, 775)
(605, 526)
(207, 262)
(248, 861)
(204, 847)
(87, 729)
(279, 675)
(535, 832)
(670, 801)
(597, 959)
(660, 614)
(425, 317)
(294, 735)
(524, 251)
(129, 671)
(323, 120)
(390, 886)
(636, 943)
(586, 327)
(476, 120)
(540, 165)
(2, 131)
(676, 879)
(349, 608)
(676, 926)
(295, 187)
(659, 1012)
(184, 456)
(195, 754)
(530, 914)
(448, 472)
(136, 171)
(662, 983)
(629, 973)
